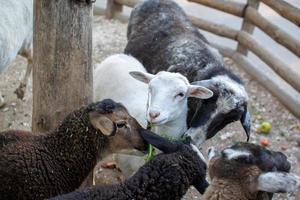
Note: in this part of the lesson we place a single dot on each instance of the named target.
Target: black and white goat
(162, 38)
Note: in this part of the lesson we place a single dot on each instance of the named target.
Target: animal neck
(174, 128)
(76, 145)
(223, 189)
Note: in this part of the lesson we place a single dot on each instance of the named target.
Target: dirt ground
(109, 38)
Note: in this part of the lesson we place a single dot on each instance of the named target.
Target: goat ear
(142, 76)
(209, 84)
(102, 123)
(199, 92)
(278, 182)
(159, 142)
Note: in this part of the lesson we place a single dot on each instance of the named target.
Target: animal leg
(20, 91)
(2, 102)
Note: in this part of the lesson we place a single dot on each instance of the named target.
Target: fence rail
(282, 80)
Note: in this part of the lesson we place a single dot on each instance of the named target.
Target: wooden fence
(281, 80)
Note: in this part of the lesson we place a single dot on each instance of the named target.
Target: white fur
(212, 152)
(163, 97)
(120, 86)
(233, 154)
(278, 182)
(173, 111)
(16, 19)
(16, 24)
(112, 80)
(198, 152)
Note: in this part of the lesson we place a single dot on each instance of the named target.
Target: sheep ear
(199, 92)
(278, 182)
(102, 123)
(142, 76)
(159, 142)
(209, 84)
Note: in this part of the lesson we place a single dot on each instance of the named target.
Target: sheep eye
(180, 94)
(121, 124)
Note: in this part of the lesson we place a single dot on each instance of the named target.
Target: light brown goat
(245, 171)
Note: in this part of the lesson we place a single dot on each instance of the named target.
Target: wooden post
(62, 67)
(247, 26)
(112, 7)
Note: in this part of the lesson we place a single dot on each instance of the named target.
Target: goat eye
(180, 94)
(121, 124)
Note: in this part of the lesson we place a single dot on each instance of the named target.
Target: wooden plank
(231, 7)
(247, 26)
(112, 7)
(286, 94)
(290, 74)
(218, 29)
(285, 9)
(275, 32)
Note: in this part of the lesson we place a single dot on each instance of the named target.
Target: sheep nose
(154, 114)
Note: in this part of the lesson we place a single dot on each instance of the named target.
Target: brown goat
(243, 171)
(39, 167)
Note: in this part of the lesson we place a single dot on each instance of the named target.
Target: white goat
(112, 80)
(163, 102)
(16, 19)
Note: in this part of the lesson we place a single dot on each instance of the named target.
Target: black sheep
(168, 176)
(162, 38)
(55, 163)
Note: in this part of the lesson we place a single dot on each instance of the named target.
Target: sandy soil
(109, 38)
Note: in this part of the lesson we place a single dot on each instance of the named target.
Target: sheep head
(254, 168)
(167, 95)
(182, 149)
(228, 104)
(112, 120)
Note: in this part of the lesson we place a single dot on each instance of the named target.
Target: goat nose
(154, 114)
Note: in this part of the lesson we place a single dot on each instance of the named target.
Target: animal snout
(153, 114)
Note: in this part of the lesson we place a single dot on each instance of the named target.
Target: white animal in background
(112, 80)
(163, 102)
(16, 25)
